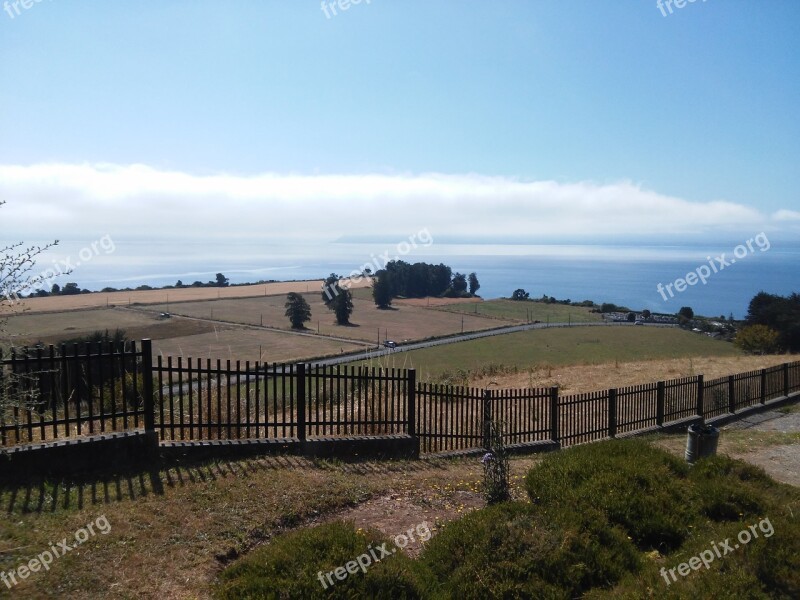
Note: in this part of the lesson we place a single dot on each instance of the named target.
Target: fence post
(786, 379)
(660, 395)
(300, 370)
(700, 390)
(731, 394)
(411, 382)
(554, 434)
(612, 412)
(763, 386)
(147, 385)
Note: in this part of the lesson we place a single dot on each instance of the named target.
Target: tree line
(398, 279)
(772, 324)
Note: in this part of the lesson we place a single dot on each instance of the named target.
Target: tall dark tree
(474, 285)
(222, 281)
(520, 294)
(686, 312)
(337, 299)
(779, 313)
(297, 309)
(382, 289)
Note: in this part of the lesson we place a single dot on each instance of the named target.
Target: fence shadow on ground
(52, 494)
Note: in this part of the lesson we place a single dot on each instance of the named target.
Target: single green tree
(474, 284)
(338, 299)
(520, 294)
(222, 281)
(757, 339)
(686, 312)
(382, 290)
(297, 309)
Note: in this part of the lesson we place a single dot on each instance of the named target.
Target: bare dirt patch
(442, 490)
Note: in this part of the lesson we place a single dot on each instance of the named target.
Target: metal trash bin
(701, 442)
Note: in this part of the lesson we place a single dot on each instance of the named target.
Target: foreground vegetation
(606, 520)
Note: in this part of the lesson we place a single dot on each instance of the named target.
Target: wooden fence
(51, 394)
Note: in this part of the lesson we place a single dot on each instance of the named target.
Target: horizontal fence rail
(55, 393)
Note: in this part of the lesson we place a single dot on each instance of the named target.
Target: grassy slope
(603, 520)
(524, 311)
(561, 346)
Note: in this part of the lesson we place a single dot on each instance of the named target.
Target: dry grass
(434, 302)
(400, 323)
(173, 530)
(251, 344)
(586, 378)
(52, 328)
(96, 300)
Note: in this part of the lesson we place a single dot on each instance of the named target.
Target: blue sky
(538, 120)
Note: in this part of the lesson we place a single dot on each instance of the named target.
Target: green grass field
(527, 311)
(559, 346)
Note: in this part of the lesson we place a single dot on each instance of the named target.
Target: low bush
(295, 565)
(633, 485)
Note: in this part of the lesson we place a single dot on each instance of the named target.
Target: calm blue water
(621, 274)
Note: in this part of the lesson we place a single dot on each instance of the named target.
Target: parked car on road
(390, 344)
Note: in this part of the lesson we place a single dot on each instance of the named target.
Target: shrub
(633, 485)
(512, 550)
(289, 567)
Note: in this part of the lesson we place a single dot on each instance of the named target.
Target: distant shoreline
(90, 300)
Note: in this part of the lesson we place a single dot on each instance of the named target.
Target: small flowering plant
(495, 466)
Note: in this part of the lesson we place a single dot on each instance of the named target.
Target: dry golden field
(576, 379)
(399, 323)
(97, 300)
(252, 344)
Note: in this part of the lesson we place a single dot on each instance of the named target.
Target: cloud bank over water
(139, 201)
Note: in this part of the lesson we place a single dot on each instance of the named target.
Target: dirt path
(781, 461)
(444, 490)
(770, 440)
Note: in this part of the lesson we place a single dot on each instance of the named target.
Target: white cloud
(786, 215)
(58, 200)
